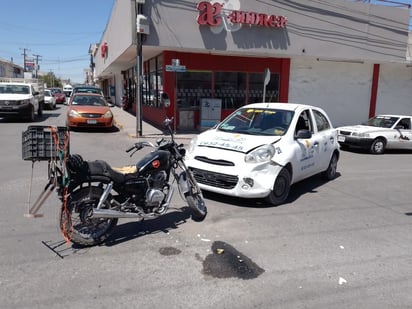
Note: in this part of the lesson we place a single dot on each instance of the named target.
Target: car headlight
(74, 114)
(261, 154)
(192, 145)
(108, 114)
(360, 134)
(23, 102)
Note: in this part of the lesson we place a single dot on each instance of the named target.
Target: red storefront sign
(103, 50)
(210, 14)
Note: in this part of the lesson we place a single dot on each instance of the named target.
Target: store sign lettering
(210, 14)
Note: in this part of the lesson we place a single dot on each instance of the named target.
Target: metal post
(138, 9)
(175, 107)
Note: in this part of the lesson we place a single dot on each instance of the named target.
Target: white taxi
(261, 149)
(378, 133)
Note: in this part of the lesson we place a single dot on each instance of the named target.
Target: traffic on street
(344, 243)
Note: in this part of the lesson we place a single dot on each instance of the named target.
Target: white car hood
(14, 97)
(233, 141)
(361, 129)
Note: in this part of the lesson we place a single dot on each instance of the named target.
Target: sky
(60, 32)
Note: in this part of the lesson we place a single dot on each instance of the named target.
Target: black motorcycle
(96, 195)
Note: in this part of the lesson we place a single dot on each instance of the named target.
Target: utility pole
(139, 70)
(37, 64)
(25, 50)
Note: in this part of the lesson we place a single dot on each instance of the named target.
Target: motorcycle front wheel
(194, 199)
(76, 223)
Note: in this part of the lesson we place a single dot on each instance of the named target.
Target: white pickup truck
(21, 98)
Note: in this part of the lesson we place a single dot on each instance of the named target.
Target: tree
(51, 80)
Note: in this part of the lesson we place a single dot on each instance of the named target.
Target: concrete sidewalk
(127, 123)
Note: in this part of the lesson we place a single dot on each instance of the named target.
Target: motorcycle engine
(155, 195)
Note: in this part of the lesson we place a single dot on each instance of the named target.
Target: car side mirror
(303, 134)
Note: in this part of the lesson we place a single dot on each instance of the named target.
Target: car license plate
(91, 121)
(341, 138)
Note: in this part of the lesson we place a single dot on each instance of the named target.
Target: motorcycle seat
(102, 168)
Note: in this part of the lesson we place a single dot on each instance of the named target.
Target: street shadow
(387, 151)
(163, 224)
(113, 129)
(297, 190)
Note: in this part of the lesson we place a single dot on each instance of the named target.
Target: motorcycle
(96, 195)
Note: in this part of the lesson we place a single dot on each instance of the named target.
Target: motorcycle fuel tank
(154, 162)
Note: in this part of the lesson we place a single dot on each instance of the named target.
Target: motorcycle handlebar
(136, 146)
(139, 145)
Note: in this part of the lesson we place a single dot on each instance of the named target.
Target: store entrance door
(210, 112)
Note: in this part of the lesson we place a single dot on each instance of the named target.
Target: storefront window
(153, 82)
(191, 87)
(256, 88)
(231, 88)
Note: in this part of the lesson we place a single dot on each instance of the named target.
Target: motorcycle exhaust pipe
(108, 213)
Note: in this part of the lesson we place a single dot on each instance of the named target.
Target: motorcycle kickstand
(48, 189)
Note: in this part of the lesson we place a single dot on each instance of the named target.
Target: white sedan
(378, 133)
(49, 99)
(261, 149)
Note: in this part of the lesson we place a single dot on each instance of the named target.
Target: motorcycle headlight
(261, 154)
(192, 145)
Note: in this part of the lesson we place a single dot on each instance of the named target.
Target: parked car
(85, 89)
(89, 110)
(261, 149)
(378, 133)
(49, 99)
(59, 95)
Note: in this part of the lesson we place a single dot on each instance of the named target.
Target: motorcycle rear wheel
(75, 223)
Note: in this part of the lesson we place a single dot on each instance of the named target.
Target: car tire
(330, 172)
(378, 146)
(31, 115)
(40, 110)
(281, 188)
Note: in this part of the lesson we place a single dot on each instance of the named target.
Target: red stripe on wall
(374, 90)
(284, 80)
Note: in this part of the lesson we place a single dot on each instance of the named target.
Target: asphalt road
(339, 244)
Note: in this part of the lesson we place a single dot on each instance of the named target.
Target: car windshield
(89, 100)
(47, 93)
(382, 121)
(258, 121)
(14, 89)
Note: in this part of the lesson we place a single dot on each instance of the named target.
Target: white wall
(341, 89)
(394, 89)
(119, 35)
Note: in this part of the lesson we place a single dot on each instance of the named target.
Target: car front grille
(214, 162)
(87, 115)
(214, 179)
(345, 132)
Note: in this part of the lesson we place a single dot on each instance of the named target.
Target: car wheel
(330, 172)
(40, 110)
(31, 116)
(378, 146)
(280, 189)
